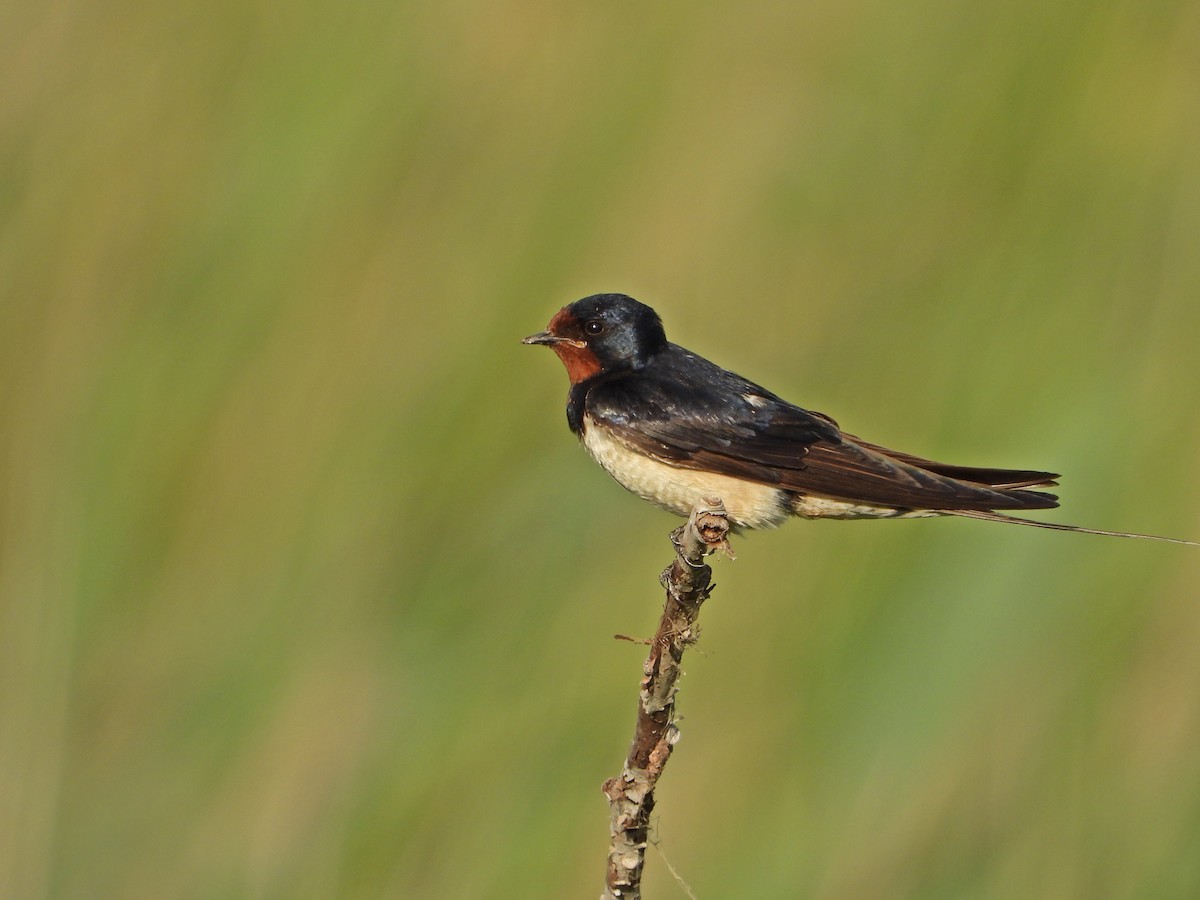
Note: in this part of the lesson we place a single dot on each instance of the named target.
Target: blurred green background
(308, 592)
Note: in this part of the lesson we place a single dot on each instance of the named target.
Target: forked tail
(1054, 526)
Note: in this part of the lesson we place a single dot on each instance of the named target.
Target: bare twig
(631, 794)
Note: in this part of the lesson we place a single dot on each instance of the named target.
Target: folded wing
(729, 425)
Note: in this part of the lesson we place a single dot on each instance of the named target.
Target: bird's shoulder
(683, 400)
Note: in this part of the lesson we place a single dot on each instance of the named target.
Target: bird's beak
(545, 337)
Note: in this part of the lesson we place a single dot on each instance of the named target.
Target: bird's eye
(594, 327)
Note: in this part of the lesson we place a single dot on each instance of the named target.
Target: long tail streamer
(1054, 526)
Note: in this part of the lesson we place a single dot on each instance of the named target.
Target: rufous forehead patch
(562, 322)
(580, 361)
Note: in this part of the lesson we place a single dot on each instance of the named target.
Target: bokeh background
(308, 592)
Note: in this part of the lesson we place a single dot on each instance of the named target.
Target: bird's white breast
(749, 504)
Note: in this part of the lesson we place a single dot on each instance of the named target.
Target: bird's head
(601, 334)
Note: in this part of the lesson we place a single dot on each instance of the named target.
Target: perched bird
(674, 428)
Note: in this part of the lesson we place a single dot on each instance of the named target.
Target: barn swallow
(675, 429)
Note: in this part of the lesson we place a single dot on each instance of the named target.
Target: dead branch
(688, 581)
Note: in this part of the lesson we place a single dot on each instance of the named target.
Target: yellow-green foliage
(307, 591)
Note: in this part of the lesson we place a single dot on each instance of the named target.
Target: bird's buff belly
(678, 490)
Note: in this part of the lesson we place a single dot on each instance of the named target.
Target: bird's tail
(1054, 526)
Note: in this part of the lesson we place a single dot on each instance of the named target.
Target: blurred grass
(306, 591)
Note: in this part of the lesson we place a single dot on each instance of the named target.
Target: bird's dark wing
(693, 409)
(869, 474)
(997, 478)
(689, 413)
